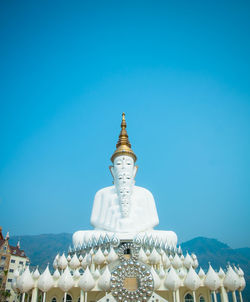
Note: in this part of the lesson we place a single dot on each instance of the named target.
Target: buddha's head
(123, 169)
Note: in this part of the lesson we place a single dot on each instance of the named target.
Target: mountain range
(42, 249)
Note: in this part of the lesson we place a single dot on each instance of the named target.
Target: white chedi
(99, 258)
(96, 274)
(172, 281)
(195, 263)
(192, 280)
(162, 273)
(142, 256)
(66, 281)
(156, 278)
(112, 256)
(74, 262)
(182, 272)
(86, 282)
(188, 261)
(62, 262)
(221, 273)
(232, 280)
(36, 274)
(201, 274)
(212, 280)
(25, 282)
(154, 257)
(56, 274)
(240, 272)
(242, 279)
(45, 281)
(55, 262)
(76, 274)
(165, 260)
(176, 262)
(104, 281)
(86, 261)
(242, 283)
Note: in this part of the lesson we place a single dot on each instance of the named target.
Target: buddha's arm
(153, 211)
(96, 210)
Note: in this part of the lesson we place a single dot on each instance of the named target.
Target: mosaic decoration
(131, 280)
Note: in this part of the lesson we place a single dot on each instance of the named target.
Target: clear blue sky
(181, 72)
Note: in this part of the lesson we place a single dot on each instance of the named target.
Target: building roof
(14, 250)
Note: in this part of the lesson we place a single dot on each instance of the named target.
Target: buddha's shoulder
(106, 190)
(143, 191)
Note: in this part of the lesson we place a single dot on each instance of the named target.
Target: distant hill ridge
(42, 249)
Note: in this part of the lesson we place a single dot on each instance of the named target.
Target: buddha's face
(123, 172)
(124, 169)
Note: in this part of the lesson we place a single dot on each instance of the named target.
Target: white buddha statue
(124, 209)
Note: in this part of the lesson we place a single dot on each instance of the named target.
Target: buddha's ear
(111, 168)
(135, 171)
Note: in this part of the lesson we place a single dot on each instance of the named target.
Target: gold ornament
(123, 146)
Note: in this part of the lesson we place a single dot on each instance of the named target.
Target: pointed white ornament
(112, 256)
(221, 273)
(62, 262)
(212, 280)
(96, 274)
(86, 281)
(172, 281)
(36, 274)
(45, 281)
(156, 278)
(177, 263)
(99, 258)
(188, 261)
(142, 256)
(162, 273)
(165, 260)
(104, 281)
(76, 274)
(232, 280)
(55, 262)
(192, 280)
(56, 275)
(201, 274)
(66, 281)
(154, 257)
(25, 282)
(74, 262)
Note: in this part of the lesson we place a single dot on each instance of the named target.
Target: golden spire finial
(123, 146)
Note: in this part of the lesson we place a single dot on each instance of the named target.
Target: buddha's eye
(128, 163)
(128, 177)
